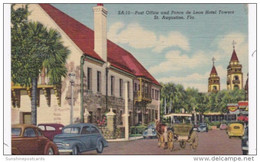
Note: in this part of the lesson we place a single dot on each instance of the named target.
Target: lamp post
(107, 68)
(72, 78)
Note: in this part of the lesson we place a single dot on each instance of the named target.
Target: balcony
(46, 89)
(236, 81)
(228, 82)
(143, 94)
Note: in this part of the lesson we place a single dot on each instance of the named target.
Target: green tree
(34, 47)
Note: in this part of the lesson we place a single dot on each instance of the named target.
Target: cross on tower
(213, 60)
(234, 43)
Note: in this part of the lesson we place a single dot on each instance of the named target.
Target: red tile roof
(213, 71)
(83, 37)
(234, 56)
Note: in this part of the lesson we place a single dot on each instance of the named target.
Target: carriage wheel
(159, 140)
(195, 143)
(162, 144)
(171, 145)
(182, 144)
(170, 140)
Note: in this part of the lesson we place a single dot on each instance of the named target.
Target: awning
(176, 114)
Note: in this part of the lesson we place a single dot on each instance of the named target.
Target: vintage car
(202, 127)
(50, 130)
(29, 140)
(77, 138)
(235, 129)
(150, 132)
(223, 126)
(244, 142)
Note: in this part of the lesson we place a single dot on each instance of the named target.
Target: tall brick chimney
(100, 31)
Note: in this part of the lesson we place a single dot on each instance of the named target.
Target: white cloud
(194, 80)
(172, 39)
(225, 48)
(176, 61)
(138, 37)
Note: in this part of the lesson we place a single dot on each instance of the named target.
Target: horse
(160, 129)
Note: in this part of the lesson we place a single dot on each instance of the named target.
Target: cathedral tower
(234, 72)
(214, 80)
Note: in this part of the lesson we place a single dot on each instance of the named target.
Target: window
(112, 84)
(41, 127)
(50, 128)
(16, 131)
(94, 130)
(71, 130)
(27, 118)
(152, 93)
(29, 132)
(39, 132)
(89, 79)
(128, 89)
(236, 77)
(98, 81)
(120, 87)
(156, 94)
(135, 87)
(86, 130)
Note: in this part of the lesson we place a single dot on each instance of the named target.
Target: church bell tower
(234, 72)
(214, 80)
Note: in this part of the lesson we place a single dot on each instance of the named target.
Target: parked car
(50, 130)
(29, 140)
(150, 132)
(202, 127)
(235, 129)
(244, 142)
(243, 118)
(223, 126)
(77, 138)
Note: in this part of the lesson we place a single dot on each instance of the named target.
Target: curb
(124, 140)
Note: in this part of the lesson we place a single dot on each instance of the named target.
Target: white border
(252, 78)
(7, 80)
(7, 93)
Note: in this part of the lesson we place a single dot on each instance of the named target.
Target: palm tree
(34, 47)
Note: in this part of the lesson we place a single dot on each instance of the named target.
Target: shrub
(216, 123)
(137, 129)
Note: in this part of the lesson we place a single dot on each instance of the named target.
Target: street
(215, 142)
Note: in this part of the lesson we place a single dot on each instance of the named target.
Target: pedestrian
(165, 137)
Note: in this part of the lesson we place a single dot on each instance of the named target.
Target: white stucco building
(106, 67)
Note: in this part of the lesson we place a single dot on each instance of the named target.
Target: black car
(244, 142)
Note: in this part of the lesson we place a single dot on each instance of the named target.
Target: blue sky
(178, 51)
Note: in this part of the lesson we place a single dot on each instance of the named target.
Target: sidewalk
(124, 140)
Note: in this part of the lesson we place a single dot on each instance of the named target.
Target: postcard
(131, 79)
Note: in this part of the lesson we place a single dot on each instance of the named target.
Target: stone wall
(95, 103)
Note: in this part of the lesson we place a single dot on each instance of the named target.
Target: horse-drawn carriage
(181, 133)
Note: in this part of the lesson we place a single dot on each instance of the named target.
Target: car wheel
(99, 147)
(75, 150)
(245, 152)
(50, 151)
